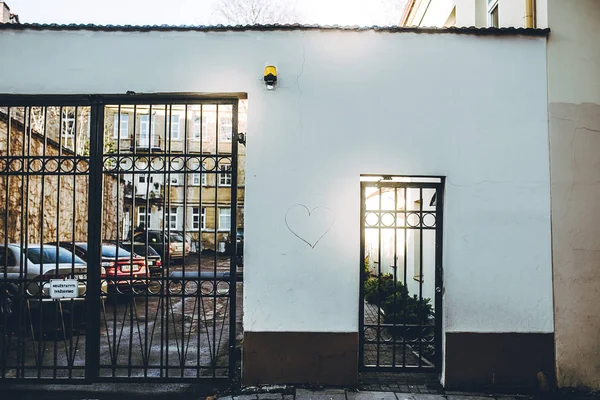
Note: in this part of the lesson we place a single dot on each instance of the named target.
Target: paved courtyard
(391, 351)
(174, 325)
(189, 392)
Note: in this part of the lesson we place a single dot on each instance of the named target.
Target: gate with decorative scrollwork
(401, 273)
(121, 225)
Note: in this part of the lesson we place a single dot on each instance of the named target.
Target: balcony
(142, 192)
(153, 144)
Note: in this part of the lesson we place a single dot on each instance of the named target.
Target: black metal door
(119, 222)
(401, 273)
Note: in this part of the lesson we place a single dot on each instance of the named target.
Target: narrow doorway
(401, 273)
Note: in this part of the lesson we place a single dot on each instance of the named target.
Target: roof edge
(276, 27)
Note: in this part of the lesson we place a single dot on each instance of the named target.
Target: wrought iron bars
(88, 156)
(401, 272)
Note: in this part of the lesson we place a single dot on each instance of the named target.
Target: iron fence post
(233, 247)
(439, 274)
(361, 289)
(93, 295)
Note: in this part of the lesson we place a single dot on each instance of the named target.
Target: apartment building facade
(478, 13)
(41, 208)
(179, 197)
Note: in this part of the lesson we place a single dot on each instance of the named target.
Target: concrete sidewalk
(148, 391)
(341, 394)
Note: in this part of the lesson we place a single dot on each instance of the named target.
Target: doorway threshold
(405, 382)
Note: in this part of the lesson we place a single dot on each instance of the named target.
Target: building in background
(6, 17)
(410, 250)
(41, 207)
(573, 64)
(479, 13)
(185, 202)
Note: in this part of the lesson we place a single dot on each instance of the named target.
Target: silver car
(33, 267)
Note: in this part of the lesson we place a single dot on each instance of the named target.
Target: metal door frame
(97, 105)
(427, 182)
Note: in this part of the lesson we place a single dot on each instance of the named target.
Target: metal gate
(401, 273)
(119, 235)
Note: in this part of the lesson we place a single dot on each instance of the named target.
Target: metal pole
(93, 296)
(233, 236)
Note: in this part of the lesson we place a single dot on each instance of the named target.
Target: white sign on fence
(64, 288)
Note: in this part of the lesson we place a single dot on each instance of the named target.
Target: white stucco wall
(471, 108)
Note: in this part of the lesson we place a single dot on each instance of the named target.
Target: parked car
(239, 237)
(153, 259)
(35, 264)
(124, 271)
(25, 274)
(169, 246)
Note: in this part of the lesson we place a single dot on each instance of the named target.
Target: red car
(124, 272)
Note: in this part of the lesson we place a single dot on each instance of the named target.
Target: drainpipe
(407, 9)
(529, 11)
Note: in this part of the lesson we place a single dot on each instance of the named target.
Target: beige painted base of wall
(575, 179)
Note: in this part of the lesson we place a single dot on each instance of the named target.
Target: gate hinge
(241, 137)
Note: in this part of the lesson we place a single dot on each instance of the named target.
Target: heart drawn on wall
(309, 225)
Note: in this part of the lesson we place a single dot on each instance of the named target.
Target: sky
(197, 12)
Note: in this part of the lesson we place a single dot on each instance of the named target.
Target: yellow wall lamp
(270, 77)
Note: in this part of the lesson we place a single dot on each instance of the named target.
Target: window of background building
(121, 130)
(196, 179)
(224, 219)
(146, 130)
(225, 128)
(195, 218)
(172, 217)
(493, 17)
(196, 129)
(199, 178)
(198, 218)
(142, 179)
(225, 178)
(200, 128)
(144, 218)
(175, 178)
(67, 131)
(175, 127)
